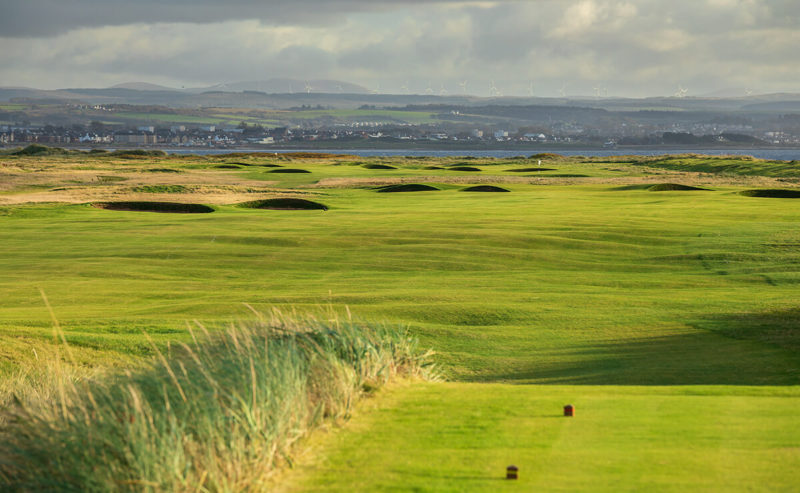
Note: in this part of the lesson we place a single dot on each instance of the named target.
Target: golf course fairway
(668, 317)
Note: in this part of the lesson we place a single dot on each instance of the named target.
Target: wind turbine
(377, 89)
(442, 91)
(339, 86)
(308, 88)
(563, 91)
(597, 92)
(429, 89)
(530, 90)
(493, 89)
(404, 88)
(748, 92)
(681, 92)
(463, 85)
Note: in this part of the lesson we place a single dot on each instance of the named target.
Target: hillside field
(668, 318)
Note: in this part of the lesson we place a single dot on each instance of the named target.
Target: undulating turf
(669, 320)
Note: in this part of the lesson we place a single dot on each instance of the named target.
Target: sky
(539, 47)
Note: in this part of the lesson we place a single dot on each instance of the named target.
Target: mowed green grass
(558, 284)
(669, 319)
(461, 437)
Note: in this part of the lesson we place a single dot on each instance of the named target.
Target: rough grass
(161, 189)
(218, 414)
(772, 193)
(673, 187)
(287, 203)
(136, 154)
(484, 188)
(167, 207)
(39, 150)
(546, 155)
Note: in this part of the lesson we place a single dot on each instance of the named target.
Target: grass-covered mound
(171, 207)
(528, 170)
(378, 166)
(217, 414)
(161, 170)
(674, 187)
(407, 187)
(287, 203)
(315, 155)
(39, 150)
(137, 153)
(776, 193)
(484, 188)
(288, 170)
(161, 189)
(463, 168)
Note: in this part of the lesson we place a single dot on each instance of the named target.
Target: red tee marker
(569, 410)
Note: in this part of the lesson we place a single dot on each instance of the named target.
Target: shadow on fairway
(772, 194)
(484, 188)
(779, 328)
(674, 187)
(285, 203)
(701, 358)
(407, 187)
(166, 207)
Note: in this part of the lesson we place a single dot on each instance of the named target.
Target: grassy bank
(217, 414)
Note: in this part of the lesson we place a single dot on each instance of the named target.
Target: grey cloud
(43, 18)
(633, 48)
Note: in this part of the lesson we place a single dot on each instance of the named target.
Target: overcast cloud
(619, 47)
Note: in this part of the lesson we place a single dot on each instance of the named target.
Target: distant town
(251, 119)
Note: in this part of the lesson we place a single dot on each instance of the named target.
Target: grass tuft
(219, 414)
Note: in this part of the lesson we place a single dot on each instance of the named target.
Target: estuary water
(775, 154)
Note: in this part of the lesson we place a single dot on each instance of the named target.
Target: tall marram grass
(215, 415)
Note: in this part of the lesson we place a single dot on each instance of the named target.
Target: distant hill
(287, 86)
(291, 93)
(142, 86)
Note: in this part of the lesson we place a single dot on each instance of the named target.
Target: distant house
(135, 138)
